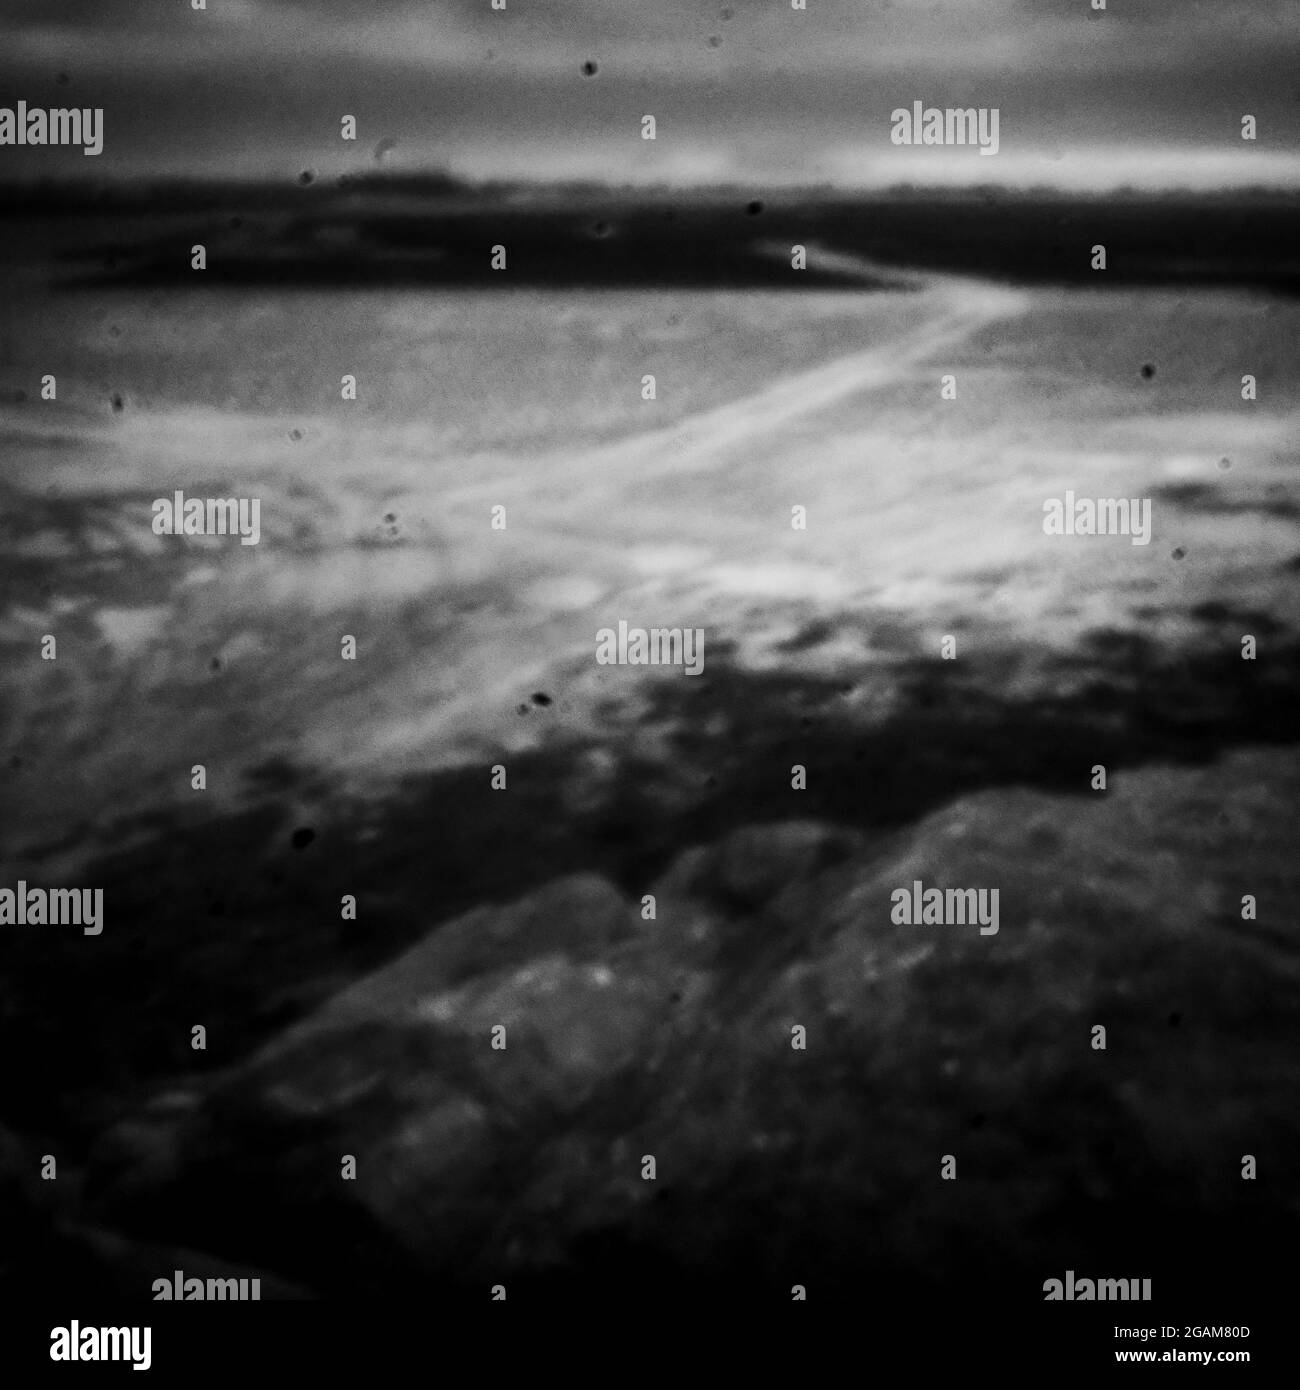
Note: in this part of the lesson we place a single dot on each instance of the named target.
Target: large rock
(672, 1038)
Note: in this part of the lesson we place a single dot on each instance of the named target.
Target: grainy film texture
(649, 656)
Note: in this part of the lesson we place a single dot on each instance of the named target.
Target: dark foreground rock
(627, 1038)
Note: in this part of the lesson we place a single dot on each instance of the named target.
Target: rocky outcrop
(624, 1038)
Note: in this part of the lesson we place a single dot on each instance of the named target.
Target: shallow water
(924, 515)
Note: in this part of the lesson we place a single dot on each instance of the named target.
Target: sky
(1149, 92)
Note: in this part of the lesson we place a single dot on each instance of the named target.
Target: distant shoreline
(436, 231)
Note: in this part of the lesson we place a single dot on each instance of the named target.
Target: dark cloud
(260, 85)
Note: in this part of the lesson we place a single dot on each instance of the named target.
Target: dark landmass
(433, 230)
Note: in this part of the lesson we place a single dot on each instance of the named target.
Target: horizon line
(92, 181)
